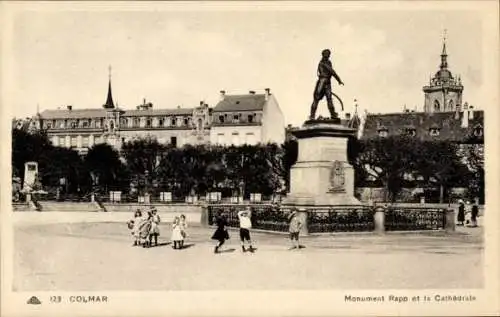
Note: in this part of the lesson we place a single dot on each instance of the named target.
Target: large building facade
(236, 120)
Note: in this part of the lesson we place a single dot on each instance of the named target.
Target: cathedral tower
(444, 92)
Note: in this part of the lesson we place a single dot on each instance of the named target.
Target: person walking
(244, 217)
(220, 234)
(294, 229)
(461, 213)
(474, 214)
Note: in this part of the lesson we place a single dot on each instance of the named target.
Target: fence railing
(331, 219)
(399, 218)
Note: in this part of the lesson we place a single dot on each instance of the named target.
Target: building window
(434, 131)
(98, 124)
(85, 141)
(148, 123)
(174, 122)
(74, 141)
(221, 119)
(220, 138)
(73, 124)
(112, 125)
(137, 122)
(85, 124)
(48, 125)
(436, 105)
(62, 141)
(200, 124)
(160, 122)
(250, 118)
(186, 121)
(62, 124)
(235, 138)
(451, 105)
(236, 118)
(173, 141)
(249, 138)
(383, 133)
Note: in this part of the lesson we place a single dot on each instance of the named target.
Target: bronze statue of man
(324, 85)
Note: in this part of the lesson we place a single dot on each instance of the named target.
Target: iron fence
(399, 218)
(264, 216)
(341, 219)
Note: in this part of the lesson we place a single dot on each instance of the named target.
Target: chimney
(202, 103)
(348, 116)
(70, 107)
(471, 112)
(465, 117)
(222, 94)
(252, 92)
(268, 93)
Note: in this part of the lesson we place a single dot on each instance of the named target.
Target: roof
(250, 102)
(449, 127)
(158, 112)
(73, 114)
(101, 113)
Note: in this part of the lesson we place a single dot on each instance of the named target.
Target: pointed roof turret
(444, 56)
(109, 100)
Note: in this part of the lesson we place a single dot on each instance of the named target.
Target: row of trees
(147, 166)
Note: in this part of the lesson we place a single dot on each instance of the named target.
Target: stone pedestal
(322, 176)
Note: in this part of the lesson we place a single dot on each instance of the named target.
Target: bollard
(379, 219)
(449, 225)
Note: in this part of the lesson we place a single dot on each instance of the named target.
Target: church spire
(444, 55)
(109, 100)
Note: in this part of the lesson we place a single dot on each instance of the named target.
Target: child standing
(295, 226)
(134, 226)
(177, 237)
(183, 225)
(245, 224)
(155, 226)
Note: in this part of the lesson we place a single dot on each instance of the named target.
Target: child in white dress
(134, 227)
(177, 237)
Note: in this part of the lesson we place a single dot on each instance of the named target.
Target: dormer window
(383, 132)
(148, 123)
(73, 124)
(434, 131)
(174, 122)
(85, 124)
(236, 118)
(221, 119)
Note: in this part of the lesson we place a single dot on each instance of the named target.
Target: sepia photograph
(228, 147)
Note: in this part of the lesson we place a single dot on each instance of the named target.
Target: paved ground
(99, 256)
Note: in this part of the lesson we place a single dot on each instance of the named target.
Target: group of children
(244, 216)
(145, 227)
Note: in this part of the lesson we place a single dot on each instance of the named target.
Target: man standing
(324, 86)
(245, 225)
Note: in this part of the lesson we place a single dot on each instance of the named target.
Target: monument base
(322, 176)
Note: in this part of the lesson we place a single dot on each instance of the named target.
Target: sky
(175, 57)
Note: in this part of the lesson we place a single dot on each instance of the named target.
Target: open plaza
(94, 252)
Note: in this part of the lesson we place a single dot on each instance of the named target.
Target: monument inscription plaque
(337, 178)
